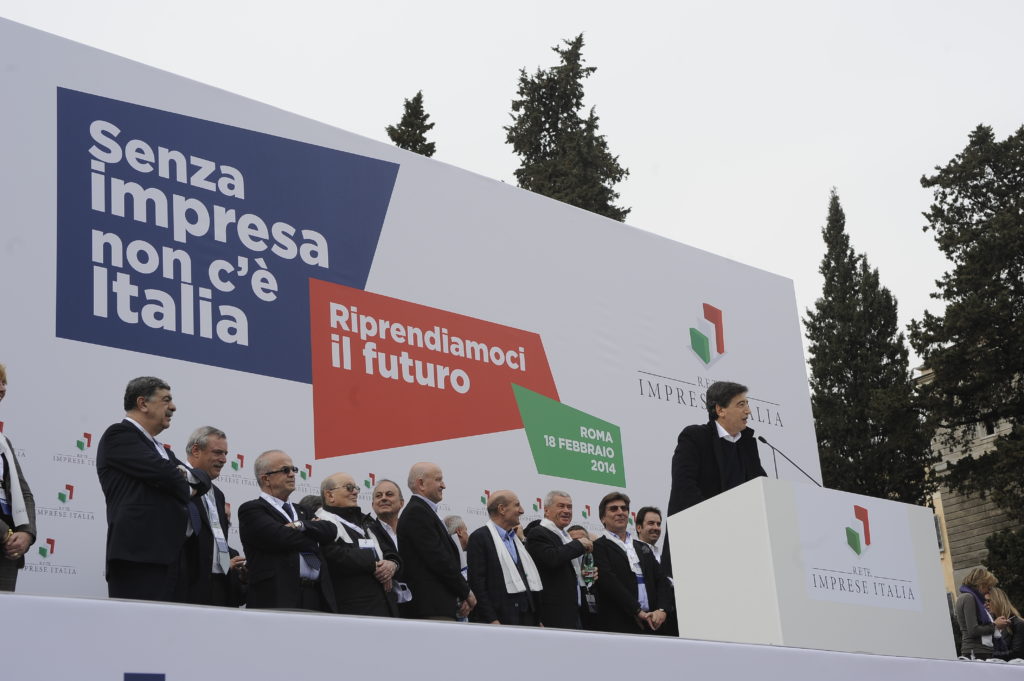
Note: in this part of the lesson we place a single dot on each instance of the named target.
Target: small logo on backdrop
(67, 495)
(485, 496)
(85, 443)
(371, 481)
(859, 541)
(307, 473)
(631, 520)
(238, 463)
(538, 506)
(69, 508)
(48, 550)
(707, 339)
(586, 511)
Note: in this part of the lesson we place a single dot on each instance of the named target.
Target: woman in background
(976, 625)
(17, 508)
(999, 605)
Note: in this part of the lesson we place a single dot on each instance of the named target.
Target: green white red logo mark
(370, 481)
(85, 442)
(537, 504)
(308, 473)
(44, 551)
(586, 511)
(239, 462)
(707, 340)
(67, 495)
(859, 541)
(486, 495)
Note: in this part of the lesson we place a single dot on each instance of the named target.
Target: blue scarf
(983, 615)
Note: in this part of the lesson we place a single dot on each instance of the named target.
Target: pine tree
(562, 155)
(411, 131)
(976, 347)
(871, 438)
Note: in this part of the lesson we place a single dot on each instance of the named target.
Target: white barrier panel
(792, 564)
(109, 640)
(356, 305)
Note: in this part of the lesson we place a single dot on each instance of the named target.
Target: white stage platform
(47, 638)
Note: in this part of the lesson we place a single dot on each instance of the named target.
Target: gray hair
(261, 465)
(453, 522)
(550, 498)
(144, 387)
(200, 436)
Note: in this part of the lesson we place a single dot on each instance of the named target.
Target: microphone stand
(776, 451)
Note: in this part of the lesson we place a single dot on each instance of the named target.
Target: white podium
(790, 564)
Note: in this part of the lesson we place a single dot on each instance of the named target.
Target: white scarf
(343, 535)
(627, 546)
(513, 581)
(18, 509)
(544, 522)
(634, 562)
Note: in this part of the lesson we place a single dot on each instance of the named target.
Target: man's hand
(467, 605)
(17, 544)
(587, 543)
(643, 619)
(239, 566)
(385, 570)
(495, 622)
(656, 619)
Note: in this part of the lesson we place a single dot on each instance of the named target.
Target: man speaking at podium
(715, 456)
(718, 455)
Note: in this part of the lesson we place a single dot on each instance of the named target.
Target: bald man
(432, 567)
(282, 543)
(501, 571)
(361, 568)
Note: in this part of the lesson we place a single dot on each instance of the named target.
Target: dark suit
(432, 568)
(9, 568)
(617, 590)
(557, 606)
(493, 601)
(205, 587)
(356, 590)
(696, 471)
(147, 516)
(272, 553)
(386, 542)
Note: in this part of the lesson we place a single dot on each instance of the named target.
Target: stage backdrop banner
(356, 305)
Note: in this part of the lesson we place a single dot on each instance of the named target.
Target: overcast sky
(734, 118)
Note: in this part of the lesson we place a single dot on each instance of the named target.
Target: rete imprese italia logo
(859, 541)
(707, 338)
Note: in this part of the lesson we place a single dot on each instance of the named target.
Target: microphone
(776, 451)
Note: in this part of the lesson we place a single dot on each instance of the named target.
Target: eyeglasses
(348, 487)
(287, 469)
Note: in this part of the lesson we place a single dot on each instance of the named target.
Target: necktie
(289, 511)
(193, 518)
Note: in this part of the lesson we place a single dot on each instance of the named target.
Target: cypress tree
(561, 153)
(871, 438)
(411, 131)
